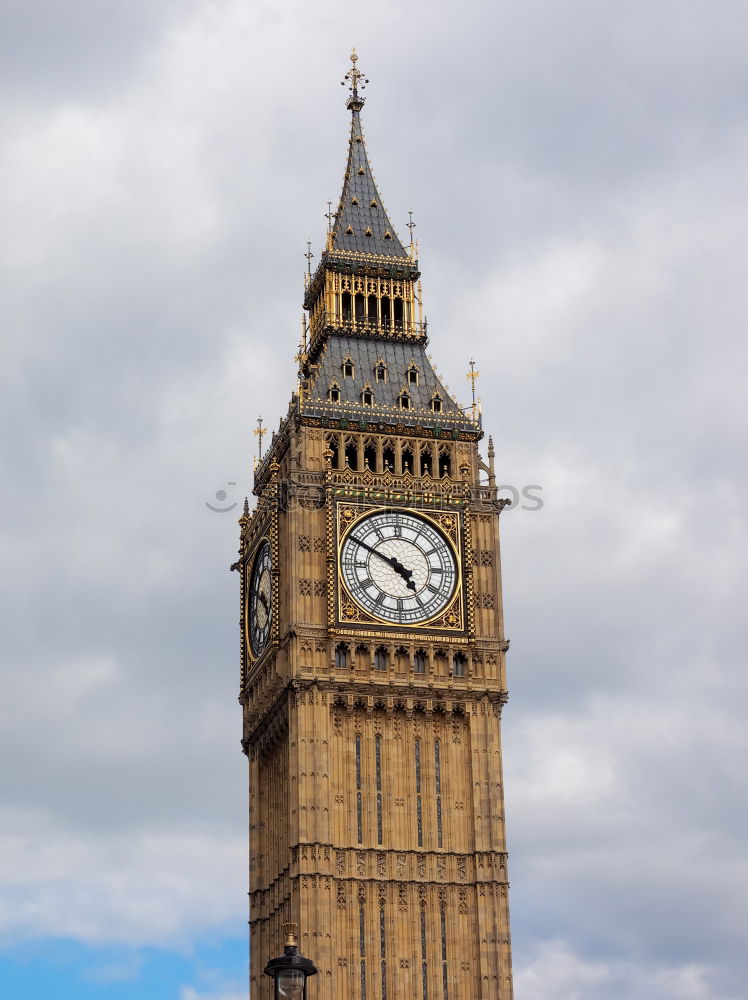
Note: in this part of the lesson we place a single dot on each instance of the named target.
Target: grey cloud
(77, 49)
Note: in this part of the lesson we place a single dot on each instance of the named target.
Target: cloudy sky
(577, 172)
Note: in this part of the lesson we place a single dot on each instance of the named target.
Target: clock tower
(373, 649)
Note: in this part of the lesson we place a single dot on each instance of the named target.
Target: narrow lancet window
(359, 801)
(438, 779)
(424, 966)
(362, 948)
(445, 975)
(378, 755)
(383, 952)
(419, 805)
(419, 662)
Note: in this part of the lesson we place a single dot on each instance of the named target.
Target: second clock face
(398, 567)
(260, 600)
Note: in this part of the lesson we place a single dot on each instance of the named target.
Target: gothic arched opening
(360, 308)
(384, 306)
(351, 455)
(398, 313)
(332, 444)
(459, 664)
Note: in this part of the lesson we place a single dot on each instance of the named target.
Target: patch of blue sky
(68, 970)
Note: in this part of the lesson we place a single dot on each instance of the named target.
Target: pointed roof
(361, 222)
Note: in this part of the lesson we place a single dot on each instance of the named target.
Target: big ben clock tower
(373, 649)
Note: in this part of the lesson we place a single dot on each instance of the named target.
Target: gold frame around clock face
(259, 602)
(398, 566)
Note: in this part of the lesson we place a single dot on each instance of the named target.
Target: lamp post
(291, 970)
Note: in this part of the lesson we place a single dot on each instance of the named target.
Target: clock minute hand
(398, 567)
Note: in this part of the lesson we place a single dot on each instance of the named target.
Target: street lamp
(291, 970)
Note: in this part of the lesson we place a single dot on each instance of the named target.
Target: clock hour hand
(398, 567)
(264, 600)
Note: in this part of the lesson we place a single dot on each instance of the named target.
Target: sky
(577, 172)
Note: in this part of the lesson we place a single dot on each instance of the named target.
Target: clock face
(260, 613)
(398, 567)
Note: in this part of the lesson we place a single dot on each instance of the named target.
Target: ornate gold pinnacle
(356, 81)
(473, 375)
(259, 432)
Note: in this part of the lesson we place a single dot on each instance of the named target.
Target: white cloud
(142, 890)
(556, 973)
(189, 993)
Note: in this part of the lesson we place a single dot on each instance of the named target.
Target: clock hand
(398, 567)
(263, 599)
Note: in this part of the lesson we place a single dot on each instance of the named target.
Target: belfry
(373, 650)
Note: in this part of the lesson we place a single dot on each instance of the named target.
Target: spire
(361, 224)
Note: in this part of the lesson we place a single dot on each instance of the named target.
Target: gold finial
(356, 80)
(411, 226)
(309, 255)
(473, 375)
(289, 932)
(259, 432)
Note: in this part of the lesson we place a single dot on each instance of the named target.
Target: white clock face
(260, 600)
(398, 567)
